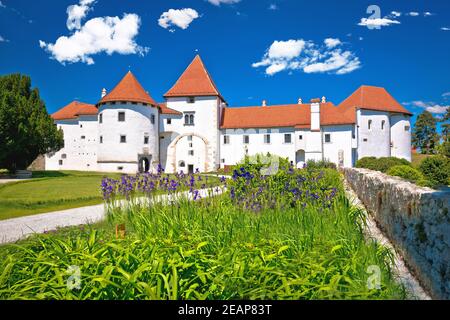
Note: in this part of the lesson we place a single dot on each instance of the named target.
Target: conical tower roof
(129, 89)
(195, 81)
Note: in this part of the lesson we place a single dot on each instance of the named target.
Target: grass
(50, 191)
(212, 248)
(417, 159)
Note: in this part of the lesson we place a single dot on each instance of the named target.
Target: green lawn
(50, 191)
(53, 191)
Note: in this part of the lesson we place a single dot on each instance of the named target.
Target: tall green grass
(209, 249)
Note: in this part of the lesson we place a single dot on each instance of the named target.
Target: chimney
(315, 114)
(300, 101)
(103, 92)
(324, 99)
(264, 103)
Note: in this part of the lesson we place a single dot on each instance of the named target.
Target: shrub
(322, 164)
(406, 172)
(436, 169)
(426, 183)
(381, 164)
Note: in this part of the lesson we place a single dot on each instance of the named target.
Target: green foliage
(381, 164)
(436, 169)
(406, 172)
(425, 136)
(26, 129)
(322, 164)
(208, 249)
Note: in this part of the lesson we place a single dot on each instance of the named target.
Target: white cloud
(77, 12)
(308, 57)
(219, 2)
(377, 23)
(396, 14)
(447, 94)
(2, 5)
(181, 18)
(273, 6)
(431, 107)
(104, 34)
(3, 39)
(428, 14)
(412, 14)
(445, 29)
(331, 43)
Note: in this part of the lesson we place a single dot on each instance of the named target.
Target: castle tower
(128, 129)
(191, 141)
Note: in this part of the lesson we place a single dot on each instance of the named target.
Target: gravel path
(402, 273)
(12, 230)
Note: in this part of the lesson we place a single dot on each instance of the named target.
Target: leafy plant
(406, 172)
(381, 164)
(436, 169)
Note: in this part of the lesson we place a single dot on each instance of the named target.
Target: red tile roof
(292, 115)
(75, 109)
(195, 81)
(165, 110)
(373, 98)
(129, 89)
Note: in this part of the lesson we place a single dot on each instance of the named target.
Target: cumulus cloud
(373, 23)
(331, 43)
(430, 107)
(104, 34)
(219, 2)
(181, 18)
(98, 35)
(308, 57)
(77, 12)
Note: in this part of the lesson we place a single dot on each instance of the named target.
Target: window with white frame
(191, 100)
(287, 138)
(267, 138)
(327, 138)
(123, 139)
(121, 116)
(226, 139)
(246, 139)
(189, 118)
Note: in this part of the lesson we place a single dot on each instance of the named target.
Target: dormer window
(191, 100)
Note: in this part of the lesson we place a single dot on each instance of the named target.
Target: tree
(425, 136)
(444, 148)
(26, 129)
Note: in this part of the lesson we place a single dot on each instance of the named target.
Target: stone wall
(415, 219)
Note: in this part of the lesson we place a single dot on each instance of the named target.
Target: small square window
(407, 128)
(169, 121)
(191, 152)
(83, 137)
(101, 139)
(120, 168)
(81, 126)
(246, 139)
(191, 145)
(328, 138)
(64, 156)
(287, 138)
(123, 139)
(100, 119)
(189, 138)
(226, 139)
(60, 162)
(223, 160)
(365, 139)
(146, 140)
(300, 137)
(191, 100)
(267, 138)
(121, 116)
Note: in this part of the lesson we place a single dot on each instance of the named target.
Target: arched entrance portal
(144, 163)
(300, 158)
(189, 152)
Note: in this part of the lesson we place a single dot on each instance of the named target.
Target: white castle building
(128, 131)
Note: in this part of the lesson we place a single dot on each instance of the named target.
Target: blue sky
(254, 49)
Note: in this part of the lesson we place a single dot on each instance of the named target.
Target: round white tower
(128, 129)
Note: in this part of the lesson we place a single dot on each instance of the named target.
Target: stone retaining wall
(415, 219)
